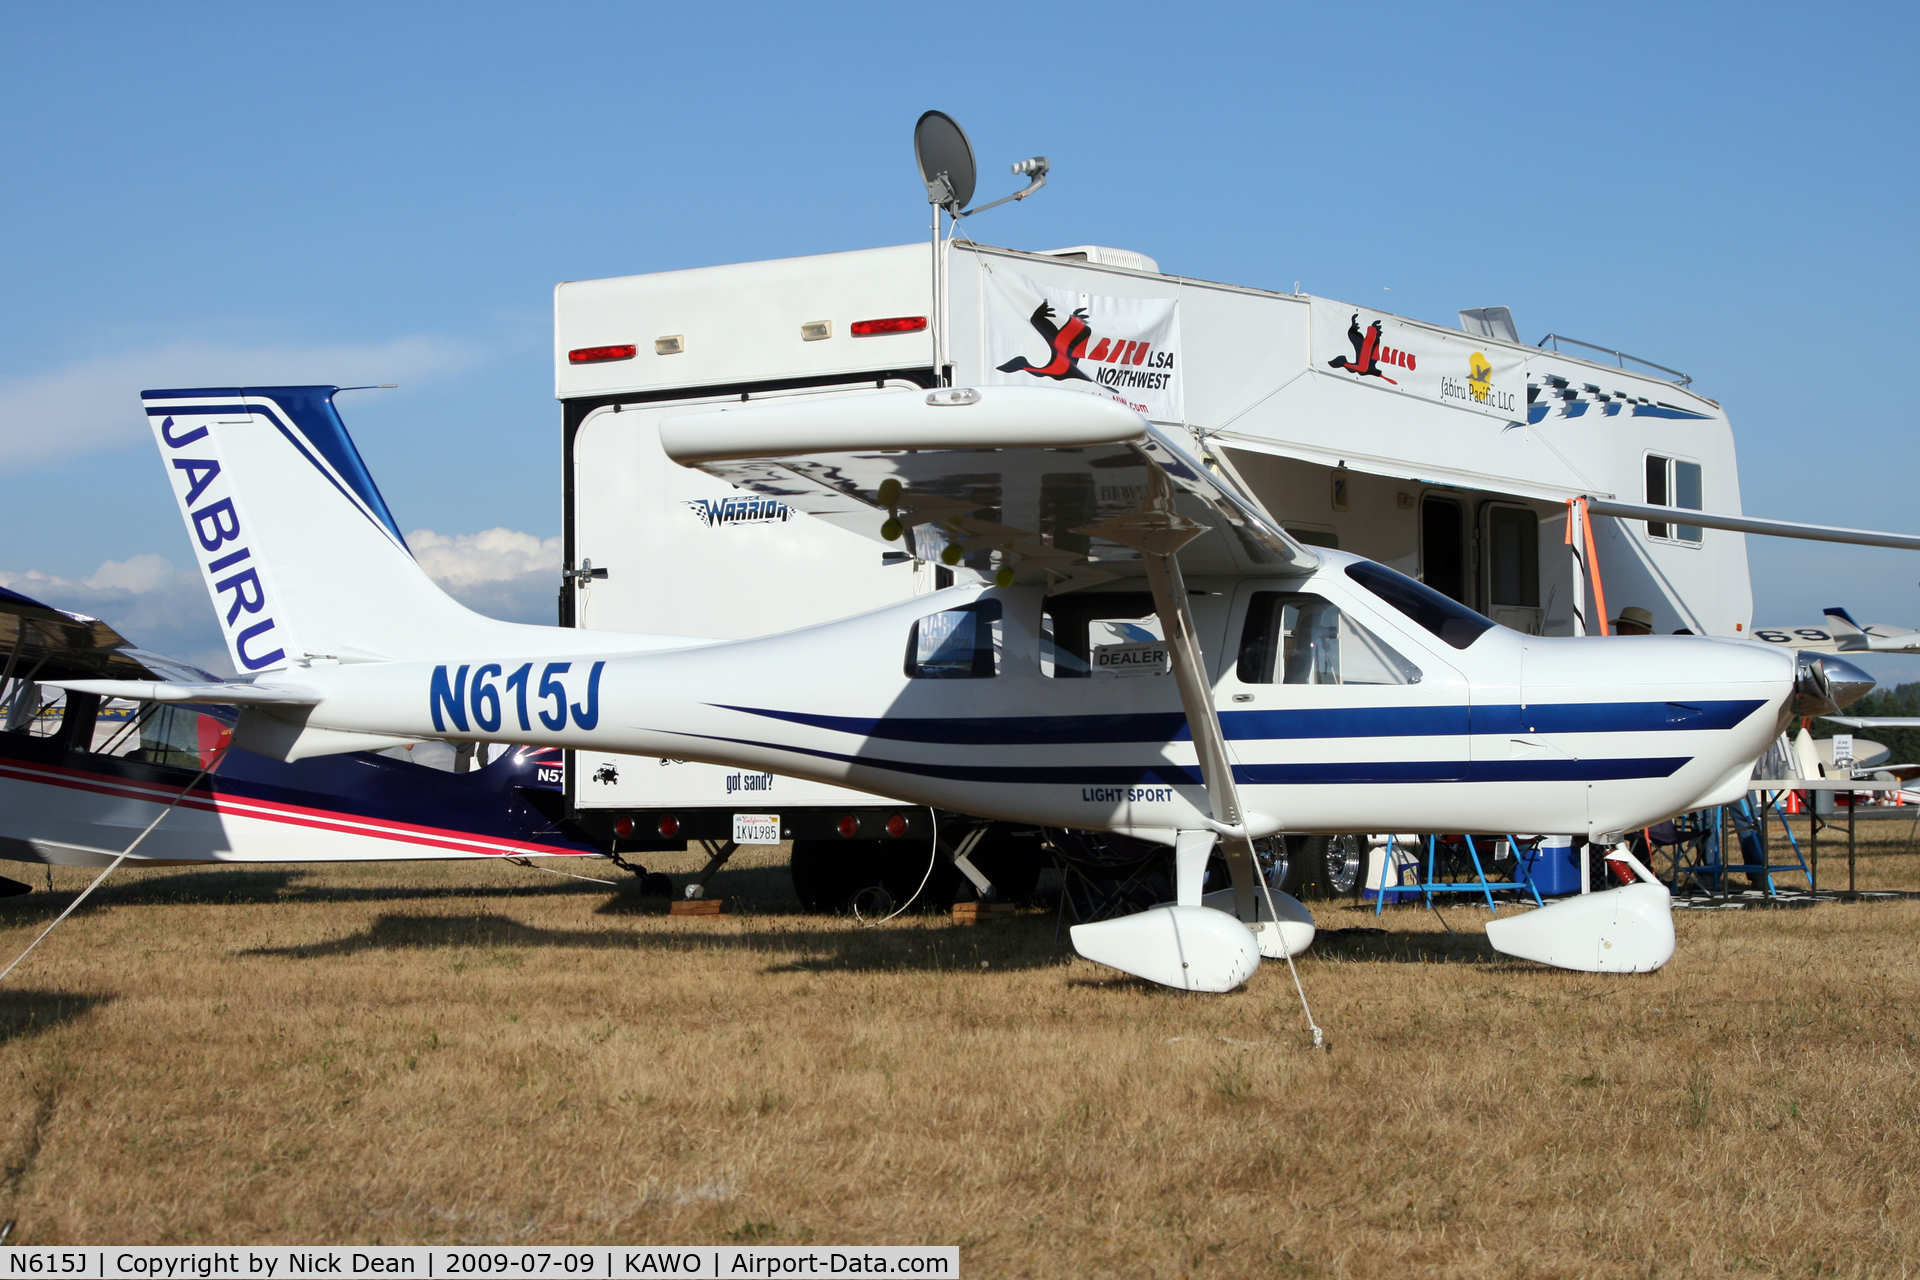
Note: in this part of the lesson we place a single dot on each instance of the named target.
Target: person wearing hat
(1633, 621)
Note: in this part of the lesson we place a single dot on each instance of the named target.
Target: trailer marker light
(669, 827)
(623, 828)
(892, 324)
(816, 330)
(849, 825)
(671, 345)
(897, 826)
(600, 355)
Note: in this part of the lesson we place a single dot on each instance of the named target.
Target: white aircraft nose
(1696, 713)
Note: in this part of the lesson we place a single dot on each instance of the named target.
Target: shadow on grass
(1026, 943)
(251, 886)
(26, 1013)
(1387, 946)
(764, 891)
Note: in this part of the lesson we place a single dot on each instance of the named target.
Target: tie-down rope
(205, 769)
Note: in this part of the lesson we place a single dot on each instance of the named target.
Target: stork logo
(1370, 353)
(1479, 376)
(1066, 344)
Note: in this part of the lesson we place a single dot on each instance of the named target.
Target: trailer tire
(1320, 866)
(821, 878)
(828, 874)
(1011, 857)
(900, 867)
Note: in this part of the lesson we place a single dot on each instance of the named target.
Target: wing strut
(1158, 533)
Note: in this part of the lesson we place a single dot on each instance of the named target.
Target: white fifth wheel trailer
(1459, 456)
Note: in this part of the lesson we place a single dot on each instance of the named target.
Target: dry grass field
(469, 1052)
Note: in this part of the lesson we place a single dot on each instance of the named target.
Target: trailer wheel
(1346, 864)
(1315, 866)
(821, 878)
(828, 874)
(1011, 858)
(899, 866)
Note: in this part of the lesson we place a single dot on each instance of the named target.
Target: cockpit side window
(1291, 637)
(956, 644)
(1103, 633)
(1445, 617)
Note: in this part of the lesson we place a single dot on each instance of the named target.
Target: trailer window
(956, 644)
(1112, 633)
(1673, 482)
(1452, 621)
(1513, 561)
(1294, 638)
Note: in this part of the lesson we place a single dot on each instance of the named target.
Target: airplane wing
(237, 693)
(39, 640)
(1876, 722)
(1015, 483)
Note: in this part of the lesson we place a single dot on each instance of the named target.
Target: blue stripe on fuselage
(1334, 772)
(1315, 722)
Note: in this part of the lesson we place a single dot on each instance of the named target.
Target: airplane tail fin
(300, 553)
(1848, 635)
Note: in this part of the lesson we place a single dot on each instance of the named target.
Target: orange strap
(1593, 569)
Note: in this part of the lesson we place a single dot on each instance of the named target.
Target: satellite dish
(946, 160)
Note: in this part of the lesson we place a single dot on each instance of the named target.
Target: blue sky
(376, 193)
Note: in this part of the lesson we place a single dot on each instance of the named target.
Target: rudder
(300, 554)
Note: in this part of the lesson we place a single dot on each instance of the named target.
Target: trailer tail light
(849, 825)
(892, 324)
(669, 827)
(623, 828)
(897, 825)
(600, 355)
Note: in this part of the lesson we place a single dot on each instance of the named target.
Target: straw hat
(1634, 615)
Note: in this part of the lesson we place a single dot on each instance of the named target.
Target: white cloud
(141, 573)
(94, 406)
(499, 572)
(492, 555)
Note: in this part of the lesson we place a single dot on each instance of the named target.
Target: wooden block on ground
(982, 912)
(697, 907)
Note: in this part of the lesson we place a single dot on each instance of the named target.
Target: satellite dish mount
(947, 166)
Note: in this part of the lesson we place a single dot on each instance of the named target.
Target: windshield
(1447, 618)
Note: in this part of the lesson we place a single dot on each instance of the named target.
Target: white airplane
(1286, 687)
(1843, 635)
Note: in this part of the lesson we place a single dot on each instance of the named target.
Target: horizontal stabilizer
(236, 694)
